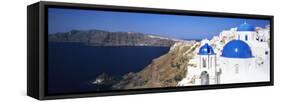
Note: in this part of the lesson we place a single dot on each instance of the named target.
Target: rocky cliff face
(165, 71)
(105, 38)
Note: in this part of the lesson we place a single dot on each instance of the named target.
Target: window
(204, 63)
(236, 68)
(204, 78)
(266, 52)
(246, 37)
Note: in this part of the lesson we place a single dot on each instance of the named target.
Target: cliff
(165, 71)
(105, 38)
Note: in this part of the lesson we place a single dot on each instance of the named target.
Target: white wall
(13, 51)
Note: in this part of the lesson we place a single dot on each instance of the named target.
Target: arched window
(246, 37)
(204, 63)
(204, 78)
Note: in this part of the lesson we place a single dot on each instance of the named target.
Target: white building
(257, 39)
(227, 35)
(244, 57)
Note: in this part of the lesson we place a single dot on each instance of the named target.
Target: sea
(72, 67)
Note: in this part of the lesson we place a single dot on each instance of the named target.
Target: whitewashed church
(238, 55)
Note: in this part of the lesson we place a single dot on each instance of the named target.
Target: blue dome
(206, 50)
(237, 49)
(246, 27)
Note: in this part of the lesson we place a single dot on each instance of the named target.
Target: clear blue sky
(176, 26)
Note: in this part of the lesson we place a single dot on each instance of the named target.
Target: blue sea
(72, 66)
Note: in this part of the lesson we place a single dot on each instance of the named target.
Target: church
(238, 55)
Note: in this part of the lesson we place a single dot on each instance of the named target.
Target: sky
(174, 26)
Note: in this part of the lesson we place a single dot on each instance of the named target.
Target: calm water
(71, 66)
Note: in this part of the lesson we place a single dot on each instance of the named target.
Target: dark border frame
(43, 54)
